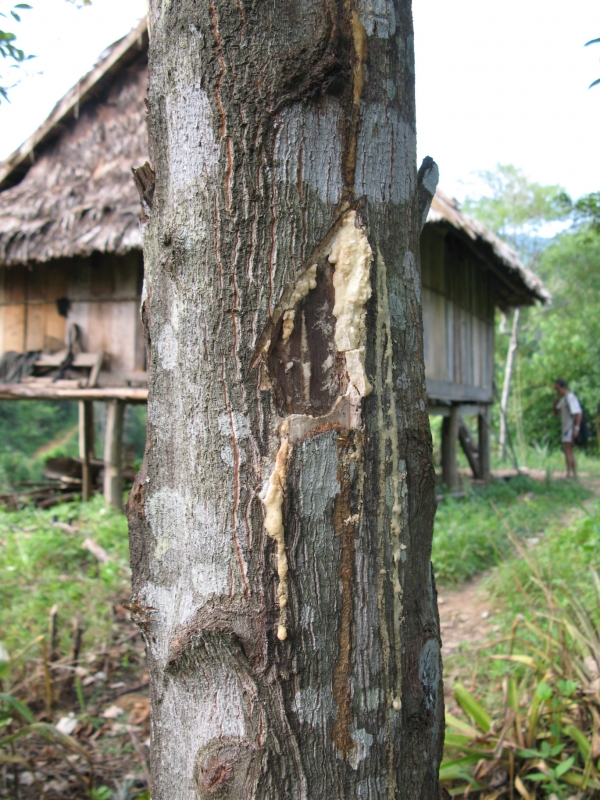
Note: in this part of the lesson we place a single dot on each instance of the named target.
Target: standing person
(568, 406)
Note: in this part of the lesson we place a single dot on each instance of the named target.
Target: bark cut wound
(330, 296)
(307, 373)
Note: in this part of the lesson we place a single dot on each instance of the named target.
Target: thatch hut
(71, 269)
(71, 266)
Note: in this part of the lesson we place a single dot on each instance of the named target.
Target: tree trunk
(281, 524)
(508, 370)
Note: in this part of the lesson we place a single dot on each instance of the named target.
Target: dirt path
(467, 614)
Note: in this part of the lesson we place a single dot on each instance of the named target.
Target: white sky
(506, 81)
(497, 81)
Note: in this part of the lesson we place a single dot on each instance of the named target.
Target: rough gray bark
(281, 525)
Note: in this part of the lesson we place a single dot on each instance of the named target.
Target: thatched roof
(518, 285)
(76, 194)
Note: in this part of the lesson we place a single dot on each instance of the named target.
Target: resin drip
(352, 256)
(306, 282)
(273, 504)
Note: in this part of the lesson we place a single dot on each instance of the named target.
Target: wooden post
(86, 446)
(113, 485)
(484, 445)
(466, 442)
(449, 449)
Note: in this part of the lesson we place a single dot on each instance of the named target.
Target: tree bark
(281, 524)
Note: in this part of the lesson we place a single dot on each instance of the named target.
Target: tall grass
(470, 536)
(43, 562)
(530, 726)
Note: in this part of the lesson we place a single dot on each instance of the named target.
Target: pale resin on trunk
(352, 255)
(273, 505)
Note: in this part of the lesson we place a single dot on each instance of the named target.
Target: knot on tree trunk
(226, 768)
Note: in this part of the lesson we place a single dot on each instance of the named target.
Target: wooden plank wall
(458, 318)
(104, 291)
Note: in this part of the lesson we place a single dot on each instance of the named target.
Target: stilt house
(71, 271)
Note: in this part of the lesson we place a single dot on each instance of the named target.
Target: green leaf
(592, 41)
(594, 83)
(579, 736)
(101, 793)
(565, 766)
(529, 753)
(543, 691)
(567, 688)
(15, 15)
(472, 707)
(513, 695)
(574, 779)
(19, 707)
(461, 726)
(456, 739)
(537, 776)
(558, 748)
(455, 770)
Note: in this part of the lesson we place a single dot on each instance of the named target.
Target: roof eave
(517, 291)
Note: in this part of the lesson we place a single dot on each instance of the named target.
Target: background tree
(11, 54)
(281, 526)
(516, 208)
(563, 340)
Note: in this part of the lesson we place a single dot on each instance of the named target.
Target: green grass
(471, 532)
(42, 565)
(561, 562)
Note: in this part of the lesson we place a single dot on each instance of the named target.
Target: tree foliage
(563, 338)
(8, 48)
(515, 208)
(12, 55)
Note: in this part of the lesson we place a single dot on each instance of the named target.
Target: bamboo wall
(458, 319)
(104, 292)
